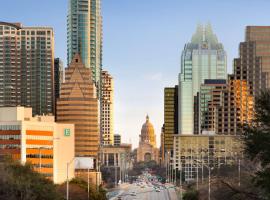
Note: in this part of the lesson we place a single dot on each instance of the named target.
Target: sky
(142, 45)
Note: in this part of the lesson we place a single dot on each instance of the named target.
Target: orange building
(47, 145)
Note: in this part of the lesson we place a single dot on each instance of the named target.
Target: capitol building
(147, 149)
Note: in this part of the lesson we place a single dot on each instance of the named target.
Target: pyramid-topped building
(78, 104)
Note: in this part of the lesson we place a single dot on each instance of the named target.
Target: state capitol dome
(148, 133)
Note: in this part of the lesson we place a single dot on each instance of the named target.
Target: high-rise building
(202, 58)
(260, 36)
(38, 140)
(58, 76)
(162, 149)
(209, 100)
(117, 139)
(107, 103)
(84, 35)
(78, 104)
(27, 67)
(170, 117)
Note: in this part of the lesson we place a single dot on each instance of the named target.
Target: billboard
(84, 163)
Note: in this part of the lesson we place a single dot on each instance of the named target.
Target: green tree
(191, 194)
(21, 182)
(257, 142)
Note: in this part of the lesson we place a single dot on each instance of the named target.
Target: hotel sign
(66, 132)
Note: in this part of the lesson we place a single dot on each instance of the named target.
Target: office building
(209, 100)
(47, 145)
(27, 67)
(170, 116)
(107, 107)
(259, 39)
(195, 154)
(84, 35)
(117, 140)
(78, 104)
(58, 76)
(202, 58)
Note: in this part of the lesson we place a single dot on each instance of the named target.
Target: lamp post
(67, 192)
(209, 177)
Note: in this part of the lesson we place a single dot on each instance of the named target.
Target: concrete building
(78, 104)
(107, 107)
(194, 154)
(117, 157)
(202, 58)
(117, 139)
(170, 116)
(84, 35)
(147, 149)
(47, 145)
(27, 67)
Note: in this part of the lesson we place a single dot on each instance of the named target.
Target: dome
(148, 133)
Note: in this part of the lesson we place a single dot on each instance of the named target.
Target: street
(146, 192)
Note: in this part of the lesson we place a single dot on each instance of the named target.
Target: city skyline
(166, 45)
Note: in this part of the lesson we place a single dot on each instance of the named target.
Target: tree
(191, 194)
(257, 142)
(22, 182)
(78, 190)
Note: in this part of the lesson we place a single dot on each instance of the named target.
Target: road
(135, 192)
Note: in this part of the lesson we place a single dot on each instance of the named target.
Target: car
(157, 190)
(133, 194)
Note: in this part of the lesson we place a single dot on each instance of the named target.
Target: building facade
(27, 67)
(78, 104)
(117, 140)
(84, 35)
(209, 100)
(38, 140)
(147, 149)
(170, 116)
(259, 39)
(117, 157)
(193, 155)
(58, 76)
(107, 107)
(202, 58)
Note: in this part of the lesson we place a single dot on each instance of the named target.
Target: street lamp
(68, 163)
(209, 177)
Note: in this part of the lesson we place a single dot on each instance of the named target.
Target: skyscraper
(260, 37)
(170, 116)
(26, 67)
(107, 126)
(202, 58)
(78, 104)
(58, 76)
(84, 35)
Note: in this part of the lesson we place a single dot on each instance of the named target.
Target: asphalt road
(147, 193)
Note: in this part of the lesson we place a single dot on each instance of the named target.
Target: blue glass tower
(84, 34)
(202, 58)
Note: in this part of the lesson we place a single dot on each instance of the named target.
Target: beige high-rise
(107, 127)
(27, 67)
(78, 104)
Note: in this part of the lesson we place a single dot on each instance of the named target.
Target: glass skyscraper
(84, 35)
(202, 58)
